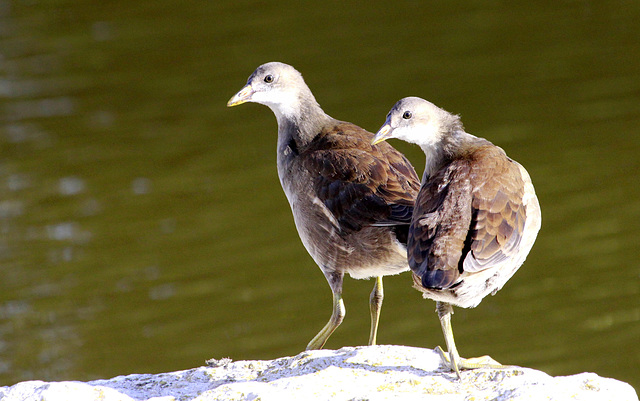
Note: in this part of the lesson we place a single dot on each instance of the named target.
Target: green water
(143, 227)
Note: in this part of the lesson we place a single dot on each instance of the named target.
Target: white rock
(381, 372)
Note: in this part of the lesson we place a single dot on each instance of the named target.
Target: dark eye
(268, 79)
(407, 115)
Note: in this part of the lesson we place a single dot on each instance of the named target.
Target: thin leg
(337, 315)
(375, 304)
(453, 360)
(444, 314)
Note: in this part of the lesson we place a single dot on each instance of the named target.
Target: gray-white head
(278, 86)
(418, 121)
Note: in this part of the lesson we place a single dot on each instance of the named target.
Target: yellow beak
(383, 134)
(241, 97)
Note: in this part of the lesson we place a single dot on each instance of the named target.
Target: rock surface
(363, 373)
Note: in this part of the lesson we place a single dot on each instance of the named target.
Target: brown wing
(362, 185)
(468, 217)
(499, 215)
(440, 226)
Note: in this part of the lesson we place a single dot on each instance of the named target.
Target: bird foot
(471, 363)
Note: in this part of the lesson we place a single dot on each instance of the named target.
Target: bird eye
(268, 79)
(407, 115)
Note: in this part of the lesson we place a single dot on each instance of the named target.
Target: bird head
(276, 85)
(415, 120)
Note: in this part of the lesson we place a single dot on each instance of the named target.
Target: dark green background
(143, 227)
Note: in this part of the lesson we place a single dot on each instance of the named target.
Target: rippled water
(143, 228)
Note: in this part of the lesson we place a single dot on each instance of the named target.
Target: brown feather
(359, 183)
(469, 210)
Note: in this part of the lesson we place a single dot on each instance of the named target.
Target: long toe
(458, 364)
(481, 362)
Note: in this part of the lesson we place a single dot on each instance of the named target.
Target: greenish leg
(336, 318)
(453, 360)
(337, 315)
(375, 304)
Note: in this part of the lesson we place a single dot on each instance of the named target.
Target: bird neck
(302, 124)
(454, 144)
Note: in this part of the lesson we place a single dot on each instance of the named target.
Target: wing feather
(361, 185)
(468, 217)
